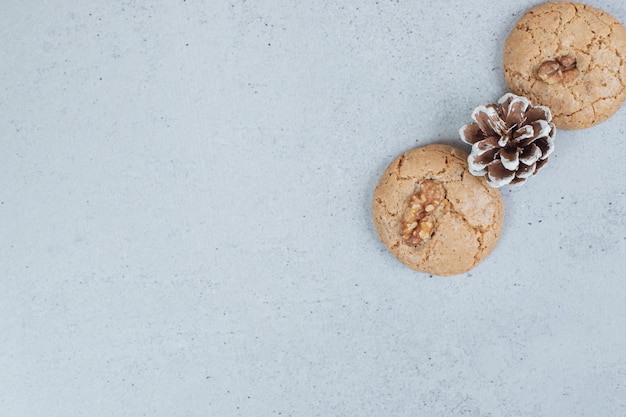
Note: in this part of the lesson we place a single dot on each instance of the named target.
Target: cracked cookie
(569, 57)
(433, 215)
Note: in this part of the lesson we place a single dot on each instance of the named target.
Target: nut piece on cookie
(560, 70)
(432, 215)
(511, 140)
(569, 57)
(419, 222)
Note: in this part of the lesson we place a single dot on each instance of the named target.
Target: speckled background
(185, 226)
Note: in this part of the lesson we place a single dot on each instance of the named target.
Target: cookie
(568, 57)
(433, 215)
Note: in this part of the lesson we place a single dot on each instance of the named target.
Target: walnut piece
(418, 223)
(560, 70)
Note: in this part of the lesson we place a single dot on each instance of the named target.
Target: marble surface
(185, 194)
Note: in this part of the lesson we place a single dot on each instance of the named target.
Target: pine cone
(511, 140)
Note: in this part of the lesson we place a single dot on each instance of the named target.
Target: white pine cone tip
(511, 140)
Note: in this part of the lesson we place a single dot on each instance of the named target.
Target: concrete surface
(185, 218)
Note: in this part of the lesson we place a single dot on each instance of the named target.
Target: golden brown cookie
(570, 58)
(433, 215)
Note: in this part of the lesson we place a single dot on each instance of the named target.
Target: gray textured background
(185, 218)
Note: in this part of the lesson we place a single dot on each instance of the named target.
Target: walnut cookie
(433, 215)
(569, 57)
